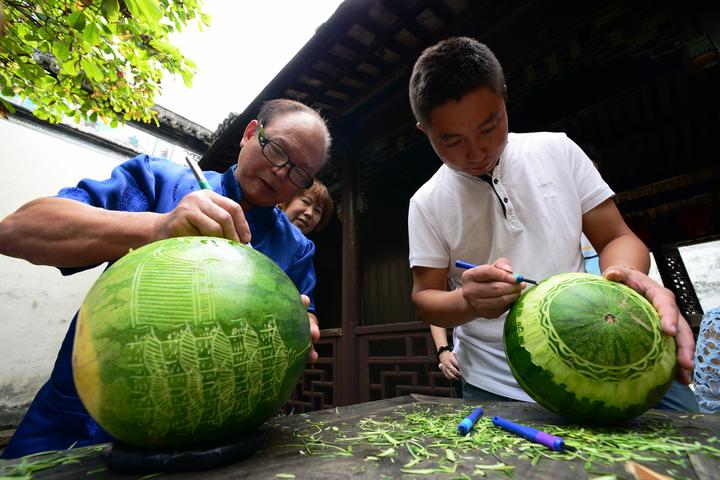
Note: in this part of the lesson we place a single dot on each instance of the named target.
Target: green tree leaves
(61, 49)
(111, 10)
(91, 33)
(147, 9)
(93, 59)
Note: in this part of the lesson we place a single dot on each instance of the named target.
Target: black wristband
(446, 348)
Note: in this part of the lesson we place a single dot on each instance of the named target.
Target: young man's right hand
(490, 290)
(207, 213)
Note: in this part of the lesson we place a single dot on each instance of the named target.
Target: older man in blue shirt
(149, 199)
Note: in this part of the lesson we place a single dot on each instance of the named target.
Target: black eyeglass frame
(264, 141)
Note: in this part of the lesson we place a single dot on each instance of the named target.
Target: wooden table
(281, 457)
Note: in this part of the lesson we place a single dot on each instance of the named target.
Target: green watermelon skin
(589, 349)
(187, 341)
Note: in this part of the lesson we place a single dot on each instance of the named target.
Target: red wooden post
(347, 375)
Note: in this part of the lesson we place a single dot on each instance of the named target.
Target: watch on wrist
(440, 350)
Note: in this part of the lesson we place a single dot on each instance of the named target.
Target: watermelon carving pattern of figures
(189, 340)
(197, 362)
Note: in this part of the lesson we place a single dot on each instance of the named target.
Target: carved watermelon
(589, 349)
(187, 341)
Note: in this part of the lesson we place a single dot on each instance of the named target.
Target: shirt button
(496, 180)
(505, 200)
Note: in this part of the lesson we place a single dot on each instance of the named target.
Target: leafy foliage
(93, 59)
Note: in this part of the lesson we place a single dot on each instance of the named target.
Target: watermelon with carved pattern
(589, 349)
(188, 341)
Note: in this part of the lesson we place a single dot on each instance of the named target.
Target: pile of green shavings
(425, 440)
(24, 467)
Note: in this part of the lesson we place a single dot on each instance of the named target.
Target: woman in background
(707, 363)
(310, 209)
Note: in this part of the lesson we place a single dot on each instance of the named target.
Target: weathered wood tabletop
(370, 440)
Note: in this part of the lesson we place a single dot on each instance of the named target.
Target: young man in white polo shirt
(504, 201)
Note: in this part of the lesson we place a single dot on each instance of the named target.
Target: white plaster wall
(703, 265)
(37, 302)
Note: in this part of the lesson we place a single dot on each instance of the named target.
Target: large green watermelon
(589, 349)
(187, 341)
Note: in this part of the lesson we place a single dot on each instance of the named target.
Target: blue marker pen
(518, 277)
(554, 443)
(468, 422)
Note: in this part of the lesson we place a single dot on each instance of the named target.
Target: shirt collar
(493, 173)
(231, 189)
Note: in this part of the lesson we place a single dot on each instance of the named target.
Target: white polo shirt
(529, 210)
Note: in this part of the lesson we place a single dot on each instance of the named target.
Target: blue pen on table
(468, 422)
(518, 277)
(554, 443)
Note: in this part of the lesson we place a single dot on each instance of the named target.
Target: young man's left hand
(672, 321)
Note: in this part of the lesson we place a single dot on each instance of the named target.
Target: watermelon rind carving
(589, 349)
(188, 341)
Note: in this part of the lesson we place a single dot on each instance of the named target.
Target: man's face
(469, 135)
(263, 184)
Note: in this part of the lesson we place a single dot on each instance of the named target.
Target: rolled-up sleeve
(130, 188)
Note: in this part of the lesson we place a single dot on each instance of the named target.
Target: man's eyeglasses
(276, 155)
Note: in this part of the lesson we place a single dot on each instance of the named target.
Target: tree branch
(2, 21)
(26, 11)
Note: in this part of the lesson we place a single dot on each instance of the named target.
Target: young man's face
(263, 184)
(469, 135)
